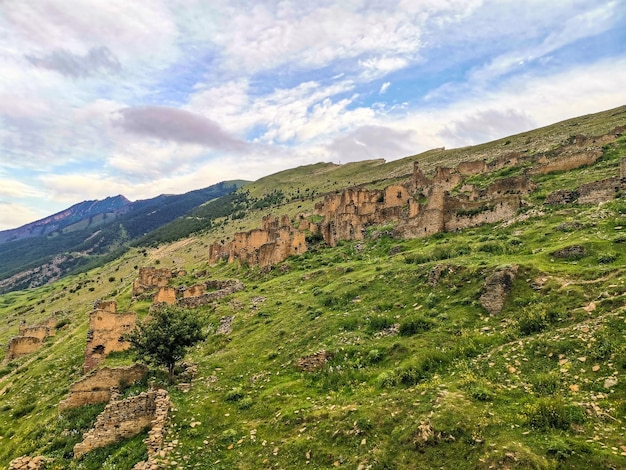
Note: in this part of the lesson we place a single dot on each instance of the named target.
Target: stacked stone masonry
(423, 205)
(31, 338)
(106, 331)
(96, 387)
(198, 294)
(27, 463)
(123, 419)
(273, 243)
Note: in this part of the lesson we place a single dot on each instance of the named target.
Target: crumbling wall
(27, 463)
(105, 335)
(123, 419)
(590, 193)
(151, 278)
(224, 288)
(38, 331)
(22, 345)
(462, 215)
(96, 387)
(273, 243)
(472, 168)
(165, 295)
(601, 191)
(568, 161)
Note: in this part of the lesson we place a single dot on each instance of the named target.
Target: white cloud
(12, 188)
(383, 88)
(580, 25)
(14, 215)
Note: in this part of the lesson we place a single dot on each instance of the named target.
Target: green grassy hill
(418, 375)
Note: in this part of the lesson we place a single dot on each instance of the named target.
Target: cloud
(15, 215)
(581, 25)
(383, 88)
(12, 188)
(484, 126)
(95, 61)
(369, 142)
(178, 126)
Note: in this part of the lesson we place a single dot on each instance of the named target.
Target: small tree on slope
(163, 339)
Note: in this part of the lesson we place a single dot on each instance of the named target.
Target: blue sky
(99, 98)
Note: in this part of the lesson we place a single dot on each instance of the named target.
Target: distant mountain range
(90, 233)
(76, 214)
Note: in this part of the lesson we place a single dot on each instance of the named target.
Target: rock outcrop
(496, 288)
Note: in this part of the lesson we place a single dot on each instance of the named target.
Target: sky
(141, 98)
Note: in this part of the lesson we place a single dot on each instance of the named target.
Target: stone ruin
(96, 386)
(106, 330)
(27, 463)
(426, 205)
(421, 207)
(269, 245)
(123, 419)
(199, 294)
(592, 193)
(30, 339)
(153, 278)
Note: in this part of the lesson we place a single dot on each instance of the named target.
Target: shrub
(234, 394)
(551, 412)
(607, 258)
(379, 323)
(414, 325)
(545, 383)
(535, 318)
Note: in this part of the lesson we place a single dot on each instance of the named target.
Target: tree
(163, 339)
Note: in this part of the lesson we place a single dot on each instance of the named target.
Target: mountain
(75, 214)
(495, 338)
(90, 233)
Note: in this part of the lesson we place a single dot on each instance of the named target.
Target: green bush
(414, 325)
(552, 412)
(534, 319)
(234, 394)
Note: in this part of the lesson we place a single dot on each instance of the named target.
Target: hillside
(72, 215)
(497, 345)
(89, 234)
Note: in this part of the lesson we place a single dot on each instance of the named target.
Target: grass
(418, 371)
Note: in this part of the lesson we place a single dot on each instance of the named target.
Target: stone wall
(96, 387)
(601, 191)
(38, 331)
(151, 278)
(165, 295)
(22, 345)
(273, 243)
(27, 463)
(590, 193)
(123, 419)
(106, 330)
(224, 289)
(566, 162)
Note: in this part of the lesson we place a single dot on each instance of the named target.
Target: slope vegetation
(498, 346)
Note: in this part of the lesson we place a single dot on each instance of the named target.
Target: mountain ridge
(65, 217)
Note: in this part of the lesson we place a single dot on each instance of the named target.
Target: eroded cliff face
(269, 245)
